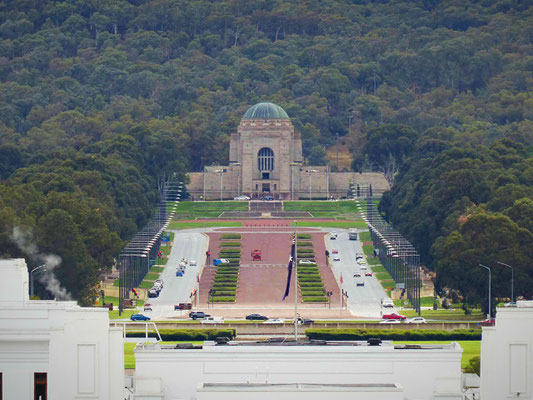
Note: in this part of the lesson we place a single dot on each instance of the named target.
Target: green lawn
(378, 268)
(129, 358)
(200, 224)
(207, 209)
(324, 224)
(450, 315)
(365, 237)
(125, 314)
(471, 348)
(157, 270)
(325, 209)
(114, 300)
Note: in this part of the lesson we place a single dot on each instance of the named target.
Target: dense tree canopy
(101, 100)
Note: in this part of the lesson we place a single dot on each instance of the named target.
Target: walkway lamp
(490, 284)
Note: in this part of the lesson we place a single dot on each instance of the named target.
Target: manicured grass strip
(388, 284)
(165, 250)
(161, 261)
(230, 244)
(471, 348)
(368, 249)
(365, 237)
(383, 276)
(151, 277)
(328, 224)
(446, 315)
(228, 236)
(378, 268)
(199, 224)
(146, 284)
(126, 314)
(157, 269)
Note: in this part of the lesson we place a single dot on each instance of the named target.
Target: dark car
(357, 275)
(256, 317)
(305, 321)
(268, 198)
(139, 317)
(198, 315)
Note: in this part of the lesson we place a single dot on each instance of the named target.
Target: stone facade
(266, 160)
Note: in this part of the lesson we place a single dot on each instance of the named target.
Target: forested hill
(100, 100)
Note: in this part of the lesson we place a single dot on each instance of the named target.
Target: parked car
(256, 317)
(390, 321)
(357, 275)
(358, 255)
(488, 322)
(153, 293)
(268, 198)
(147, 307)
(359, 283)
(139, 317)
(179, 272)
(212, 320)
(362, 267)
(393, 316)
(335, 251)
(198, 315)
(242, 197)
(193, 263)
(306, 262)
(305, 321)
(274, 321)
(361, 261)
(218, 261)
(368, 273)
(388, 303)
(333, 236)
(416, 320)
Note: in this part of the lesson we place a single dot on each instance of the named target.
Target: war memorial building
(265, 159)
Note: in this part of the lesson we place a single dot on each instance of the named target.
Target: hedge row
(309, 285)
(304, 236)
(393, 334)
(310, 275)
(230, 236)
(187, 334)
(305, 251)
(236, 251)
(315, 299)
(305, 244)
(223, 287)
(223, 299)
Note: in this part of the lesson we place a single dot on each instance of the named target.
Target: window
(39, 386)
(265, 159)
(265, 175)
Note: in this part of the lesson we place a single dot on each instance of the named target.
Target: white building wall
(82, 356)
(424, 374)
(507, 354)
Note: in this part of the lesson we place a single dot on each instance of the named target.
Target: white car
(336, 258)
(390, 321)
(241, 198)
(192, 263)
(274, 321)
(416, 320)
(224, 261)
(362, 267)
(361, 261)
(306, 262)
(333, 235)
(212, 320)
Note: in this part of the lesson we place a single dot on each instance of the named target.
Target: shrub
(305, 251)
(225, 278)
(230, 251)
(306, 256)
(223, 293)
(393, 334)
(304, 236)
(230, 236)
(305, 244)
(230, 244)
(308, 272)
(188, 334)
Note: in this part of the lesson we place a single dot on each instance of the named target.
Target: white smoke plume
(24, 240)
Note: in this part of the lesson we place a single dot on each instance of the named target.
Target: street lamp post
(490, 284)
(31, 276)
(512, 278)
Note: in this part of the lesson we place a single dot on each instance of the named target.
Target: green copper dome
(265, 111)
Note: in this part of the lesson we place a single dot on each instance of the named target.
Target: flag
(289, 272)
(341, 279)
(197, 278)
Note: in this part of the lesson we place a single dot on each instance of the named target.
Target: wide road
(189, 244)
(363, 301)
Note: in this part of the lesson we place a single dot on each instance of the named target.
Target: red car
(488, 322)
(335, 251)
(393, 316)
(368, 273)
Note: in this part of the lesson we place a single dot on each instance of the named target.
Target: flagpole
(295, 263)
